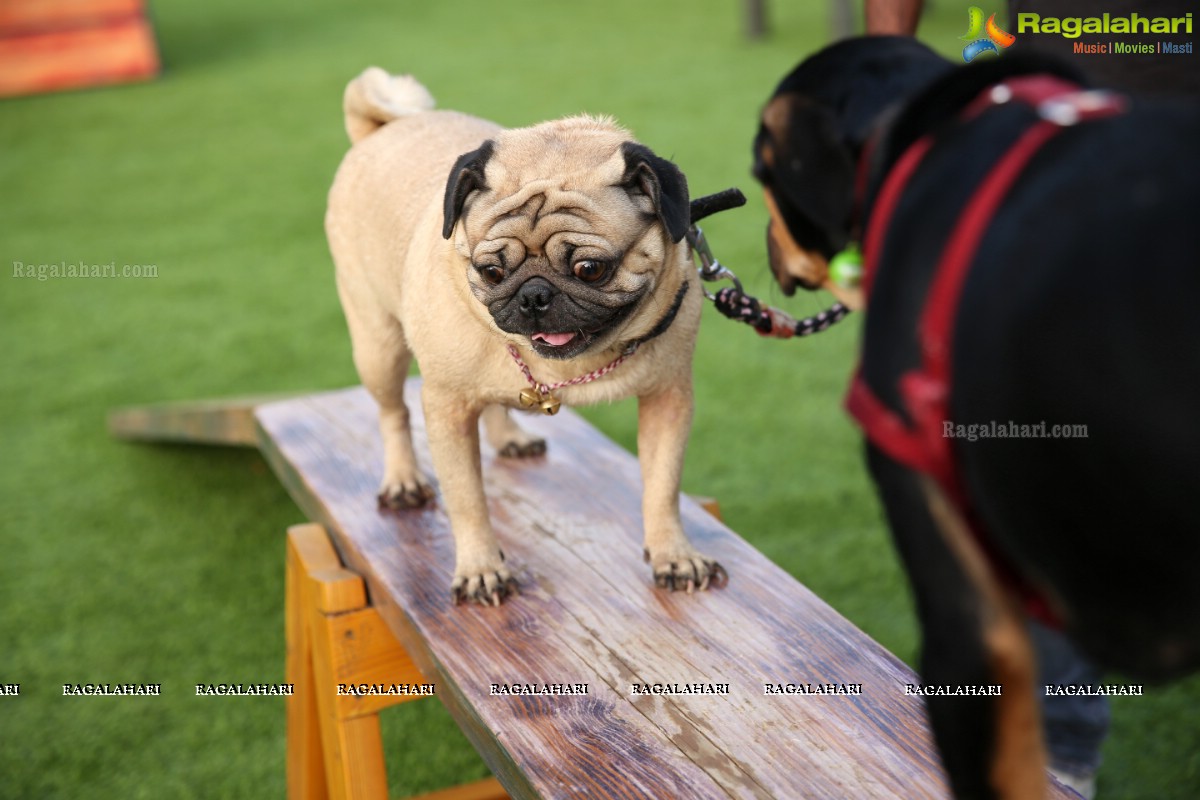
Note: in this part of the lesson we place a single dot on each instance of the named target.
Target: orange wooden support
(337, 641)
(48, 45)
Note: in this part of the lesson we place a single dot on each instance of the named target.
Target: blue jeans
(1074, 726)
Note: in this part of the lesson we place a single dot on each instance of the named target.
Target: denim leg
(1075, 726)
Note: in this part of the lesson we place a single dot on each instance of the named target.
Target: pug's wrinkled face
(566, 227)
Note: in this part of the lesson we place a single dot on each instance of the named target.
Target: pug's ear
(663, 183)
(466, 176)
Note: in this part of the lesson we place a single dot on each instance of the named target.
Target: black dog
(1032, 271)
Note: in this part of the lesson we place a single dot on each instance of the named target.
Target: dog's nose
(535, 296)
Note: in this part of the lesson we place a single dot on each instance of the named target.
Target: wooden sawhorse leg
(334, 746)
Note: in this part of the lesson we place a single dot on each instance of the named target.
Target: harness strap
(889, 197)
(886, 429)
(926, 391)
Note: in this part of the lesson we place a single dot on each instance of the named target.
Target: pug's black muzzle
(558, 324)
(534, 297)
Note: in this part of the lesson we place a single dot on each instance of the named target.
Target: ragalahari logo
(983, 38)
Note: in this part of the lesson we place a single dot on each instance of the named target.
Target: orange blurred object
(50, 45)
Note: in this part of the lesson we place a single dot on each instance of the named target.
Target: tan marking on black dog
(1018, 763)
(792, 264)
(776, 116)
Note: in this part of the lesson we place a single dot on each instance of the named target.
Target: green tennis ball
(846, 268)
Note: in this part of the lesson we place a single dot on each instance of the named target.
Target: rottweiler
(1029, 383)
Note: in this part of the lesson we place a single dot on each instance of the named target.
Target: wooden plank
(229, 421)
(588, 613)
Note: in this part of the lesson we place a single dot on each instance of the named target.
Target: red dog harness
(925, 391)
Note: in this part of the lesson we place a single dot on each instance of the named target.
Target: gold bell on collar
(545, 402)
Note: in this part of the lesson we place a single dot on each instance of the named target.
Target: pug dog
(521, 268)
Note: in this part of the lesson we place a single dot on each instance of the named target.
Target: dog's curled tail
(375, 98)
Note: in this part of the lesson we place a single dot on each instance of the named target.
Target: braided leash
(732, 301)
(768, 321)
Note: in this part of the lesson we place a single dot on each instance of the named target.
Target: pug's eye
(491, 273)
(590, 271)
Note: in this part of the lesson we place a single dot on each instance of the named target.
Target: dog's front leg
(664, 422)
(480, 574)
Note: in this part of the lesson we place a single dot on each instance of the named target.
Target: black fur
(466, 176)
(837, 96)
(663, 183)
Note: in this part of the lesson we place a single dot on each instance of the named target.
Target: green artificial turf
(164, 564)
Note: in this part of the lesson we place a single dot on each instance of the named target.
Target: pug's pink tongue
(554, 339)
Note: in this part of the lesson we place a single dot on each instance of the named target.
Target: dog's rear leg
(973, 636)
(382, 358)
(507, 437)
(1018, 762)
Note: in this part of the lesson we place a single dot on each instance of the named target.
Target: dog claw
(536, 447)
(695, 574)
(490, 590)
(404, 496)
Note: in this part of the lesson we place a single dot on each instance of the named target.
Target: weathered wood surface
(220, 422)
(589, 613)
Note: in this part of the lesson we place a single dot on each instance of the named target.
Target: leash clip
(710, 269)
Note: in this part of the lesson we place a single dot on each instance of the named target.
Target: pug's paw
(508, 438)
(409, 492)
(685, 568)
(524, 447)
(485, 587)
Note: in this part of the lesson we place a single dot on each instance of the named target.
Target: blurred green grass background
(165, 564)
